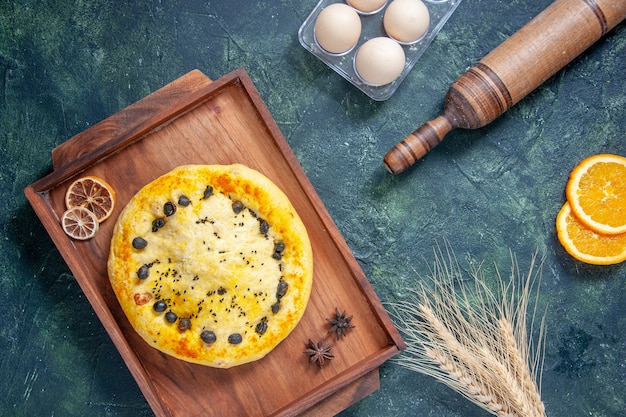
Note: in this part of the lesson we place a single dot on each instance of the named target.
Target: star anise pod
(340, 324)
(319, 352)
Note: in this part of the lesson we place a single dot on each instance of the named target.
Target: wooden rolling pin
(511, 71)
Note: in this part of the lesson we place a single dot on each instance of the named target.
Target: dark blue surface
(66, 65)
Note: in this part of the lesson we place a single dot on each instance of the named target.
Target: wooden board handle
(511, 71)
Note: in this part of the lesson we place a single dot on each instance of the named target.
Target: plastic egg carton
(372, 27)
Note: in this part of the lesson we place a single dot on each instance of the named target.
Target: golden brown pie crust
(211, 264)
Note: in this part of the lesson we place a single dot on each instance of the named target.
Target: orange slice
(92, 193)
(585, 244)
(79, 223)
(596, 191)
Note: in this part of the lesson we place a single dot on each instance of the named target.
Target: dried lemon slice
(585, 244)
(596, 191)
(79, 223)
(92, 193)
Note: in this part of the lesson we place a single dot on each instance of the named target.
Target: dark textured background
(65, 65)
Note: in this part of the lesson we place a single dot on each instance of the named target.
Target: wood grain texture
(512, 70)
(204, 122)
(98, 135)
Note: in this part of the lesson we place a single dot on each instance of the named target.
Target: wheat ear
(474, 340)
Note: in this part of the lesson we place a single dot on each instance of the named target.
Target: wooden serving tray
(195, 120)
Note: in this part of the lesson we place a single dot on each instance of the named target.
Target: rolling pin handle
(417, 144)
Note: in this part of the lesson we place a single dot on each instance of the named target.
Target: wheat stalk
(475, 340)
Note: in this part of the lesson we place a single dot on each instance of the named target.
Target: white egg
(406, 20)
(379, 61)
(367, 6)
(337, 28)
